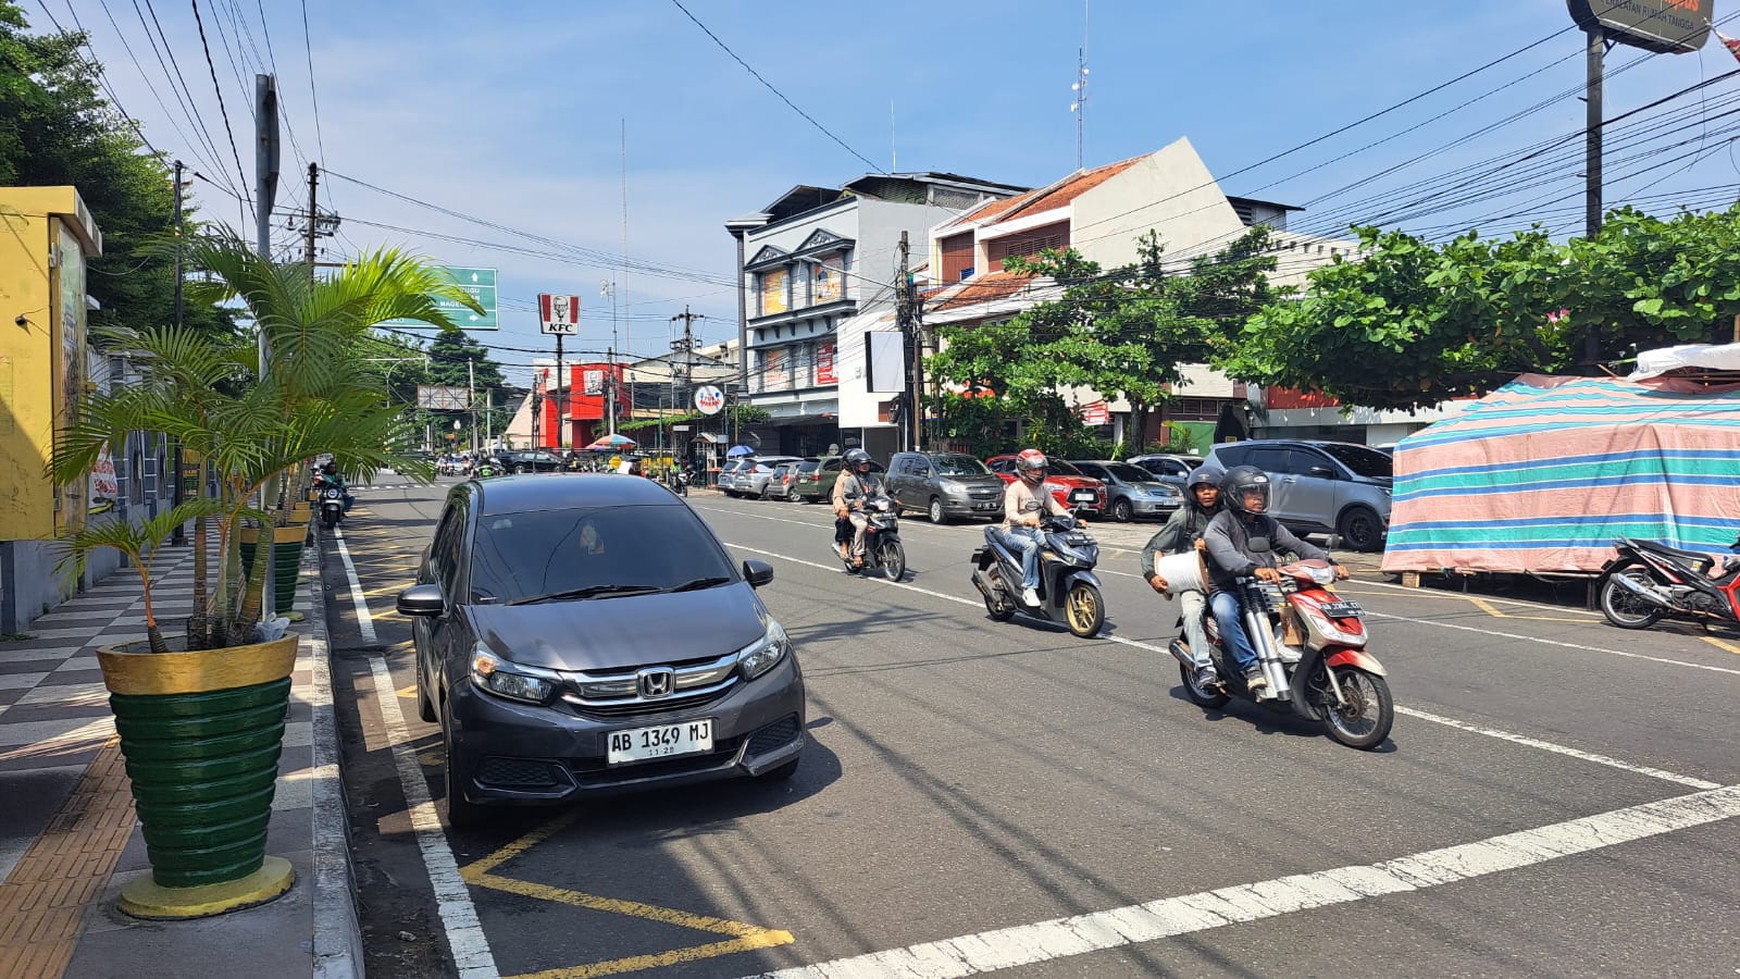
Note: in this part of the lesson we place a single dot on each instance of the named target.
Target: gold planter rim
(131, 672)
(280, 535)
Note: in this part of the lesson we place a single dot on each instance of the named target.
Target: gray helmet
(856, 458)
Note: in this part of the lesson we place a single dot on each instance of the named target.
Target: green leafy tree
(1124, 333)
(55, 128)
(1413, 323)
(452, 351)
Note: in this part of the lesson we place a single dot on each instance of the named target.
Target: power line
(769, 85)
(319, 140)
(240, 171)
(183, 94)
(103, 80)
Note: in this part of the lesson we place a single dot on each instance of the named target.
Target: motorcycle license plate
(1343, 610)
(664, 741)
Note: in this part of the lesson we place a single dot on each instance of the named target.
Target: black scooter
(883, 552)
(1069, 591)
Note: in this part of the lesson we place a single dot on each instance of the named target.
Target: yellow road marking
(1719, 644)
(407, 692)
(744, 937)
(1480, 603)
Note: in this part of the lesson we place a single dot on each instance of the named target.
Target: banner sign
(1665, 26)
(825, 363)
(558, 315)
(709, 399)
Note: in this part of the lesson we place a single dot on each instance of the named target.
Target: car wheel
(1121, 511)
(936, 511)
(462, 813)
(1361, 529)
(520, 469)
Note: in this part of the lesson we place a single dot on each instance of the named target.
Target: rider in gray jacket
(1182, 533)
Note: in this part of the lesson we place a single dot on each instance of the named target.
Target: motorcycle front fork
(1258, 630)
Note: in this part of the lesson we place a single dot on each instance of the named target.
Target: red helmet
(1032, 465)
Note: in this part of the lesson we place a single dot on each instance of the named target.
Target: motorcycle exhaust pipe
(1642, 592)
(1180, 651)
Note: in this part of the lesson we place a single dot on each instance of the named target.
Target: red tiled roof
(983, 289)
(1045, 198)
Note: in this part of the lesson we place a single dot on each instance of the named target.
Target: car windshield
(958, 464)
(1363, 461)
(553, 552)
(1062, 468)
(1129, 473)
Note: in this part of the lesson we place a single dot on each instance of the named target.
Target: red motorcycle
(1311, 646)
(1650, 581)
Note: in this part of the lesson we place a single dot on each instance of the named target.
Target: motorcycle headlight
(761, 655)
(514, 681)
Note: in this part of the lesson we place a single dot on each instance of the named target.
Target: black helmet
(1201, 476)
(1240, 480)
(856, 458)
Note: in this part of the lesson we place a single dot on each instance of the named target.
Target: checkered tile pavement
(66, 796)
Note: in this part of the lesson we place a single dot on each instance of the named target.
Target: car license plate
(1082, 496)
(984, 506)
(664, 741)
(1343, 610)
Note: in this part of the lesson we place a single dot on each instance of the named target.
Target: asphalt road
(1558, 797)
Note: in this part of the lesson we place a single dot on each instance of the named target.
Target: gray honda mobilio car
(586, 634)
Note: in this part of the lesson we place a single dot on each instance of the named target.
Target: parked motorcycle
(1311, 646)
(883, 551)
(1650, 581)
(331, 505)
(1069, 591)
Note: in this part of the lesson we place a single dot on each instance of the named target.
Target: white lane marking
(1559, 749)
(465, 936)
(1554, 642)
(1005, 948)
(364, 623)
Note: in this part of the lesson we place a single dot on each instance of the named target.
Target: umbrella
(740, 450)
(609, 442)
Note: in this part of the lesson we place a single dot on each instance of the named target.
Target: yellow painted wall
(46, 234)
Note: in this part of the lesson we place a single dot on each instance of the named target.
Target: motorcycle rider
(1244, 493)
(329, 476)
(1025, 502)
(856, 485)
(1182, 533)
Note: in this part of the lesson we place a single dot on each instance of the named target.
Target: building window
(827, 280)
(1027, 244)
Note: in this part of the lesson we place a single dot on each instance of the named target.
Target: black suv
(529, 461)
(944, 485)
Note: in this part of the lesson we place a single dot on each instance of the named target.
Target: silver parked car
(1170, 467)
(760, 470)
(1132, 491)
(530, 619)
(731, 475)
(1320, 487)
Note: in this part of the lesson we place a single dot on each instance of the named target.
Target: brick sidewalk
(68, 837)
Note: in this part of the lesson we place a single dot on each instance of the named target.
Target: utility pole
(903, 311)
(1594, 70)
(610, 388)
(179, 538)
(685, 346)
(471, 400)
(561, 416)
(266, 191)
(308, 238)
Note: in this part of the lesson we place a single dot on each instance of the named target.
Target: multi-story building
(1100, 213)
(813, 258)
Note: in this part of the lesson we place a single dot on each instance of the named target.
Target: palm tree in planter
(201, 715)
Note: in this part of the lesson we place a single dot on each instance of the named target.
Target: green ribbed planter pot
(201, 733)
(286, 561)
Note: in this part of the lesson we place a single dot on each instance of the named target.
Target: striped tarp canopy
(1543, 474)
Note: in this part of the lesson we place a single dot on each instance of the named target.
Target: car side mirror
(757, 573)
(422, 600)
(1323, 471)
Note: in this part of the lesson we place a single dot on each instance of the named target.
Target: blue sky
(515, 112)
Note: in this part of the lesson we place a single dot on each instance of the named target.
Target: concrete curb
(338, 951)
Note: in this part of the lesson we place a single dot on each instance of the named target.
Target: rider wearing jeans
(1182, 533)
(1024, 501)
(1244, 492)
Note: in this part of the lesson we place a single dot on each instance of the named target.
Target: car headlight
(512, 680)
(955, 490)
(760, 656)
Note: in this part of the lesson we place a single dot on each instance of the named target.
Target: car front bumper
(523, 754)
(1143, 506)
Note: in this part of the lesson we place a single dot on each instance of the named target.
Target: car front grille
(516, 773)
(611, 694)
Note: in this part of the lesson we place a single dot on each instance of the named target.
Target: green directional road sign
(481, 284)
